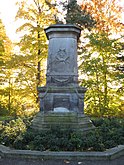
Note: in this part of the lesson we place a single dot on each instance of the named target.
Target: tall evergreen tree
(75, 15)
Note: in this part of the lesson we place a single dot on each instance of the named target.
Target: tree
(107, 13)
(99, 64)
(6, 72)
(36, 15)
(5, 45)
(99, 58)
(75, 15)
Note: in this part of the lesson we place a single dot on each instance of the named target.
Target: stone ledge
(110, 154)
(63, 89)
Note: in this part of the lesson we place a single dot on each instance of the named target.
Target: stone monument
(62, 99)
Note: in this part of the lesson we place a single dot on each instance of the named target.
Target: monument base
(68, 97)
(64, 120)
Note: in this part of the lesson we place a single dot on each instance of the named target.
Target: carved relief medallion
(62, 56)
(61, 61)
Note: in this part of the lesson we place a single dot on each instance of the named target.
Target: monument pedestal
(68, 97)
(63, 108)
(65, 120)
(62, 99)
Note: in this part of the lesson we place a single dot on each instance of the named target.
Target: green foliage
(5, 71)
(112, 131)
(23, 71)
(11, 131)
(109, 133)
(28, 62)
(3, 110)
(99, 67)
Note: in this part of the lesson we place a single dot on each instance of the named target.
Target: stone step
(61, 119)
(64, 125)
(39, 128)
(64, 120)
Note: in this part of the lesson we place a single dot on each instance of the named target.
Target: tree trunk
(38, 64)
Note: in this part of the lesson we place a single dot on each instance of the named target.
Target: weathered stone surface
(62, 88)
(114, 156)
(70, 97)
(75, 121)
(62, 55)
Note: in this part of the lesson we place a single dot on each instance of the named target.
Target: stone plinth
(70, 97)
(66, 120)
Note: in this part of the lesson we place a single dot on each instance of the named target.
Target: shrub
(11, 131)
(108, 133)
